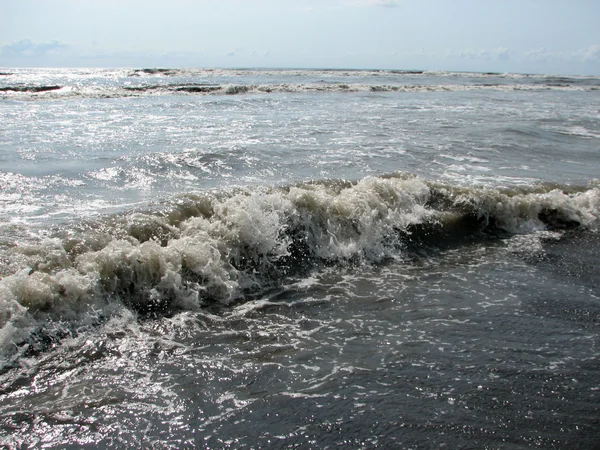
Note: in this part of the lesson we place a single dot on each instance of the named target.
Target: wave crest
(224, 247)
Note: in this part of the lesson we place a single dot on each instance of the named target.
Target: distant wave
(31, 92)
(32, 84)
(29, 89)
(223, 247)
(178, 72)
(173, 72)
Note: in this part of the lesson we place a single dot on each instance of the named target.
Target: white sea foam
(252, 238)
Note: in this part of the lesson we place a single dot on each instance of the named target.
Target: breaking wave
(219, 248)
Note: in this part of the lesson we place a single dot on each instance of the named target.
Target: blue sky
(534, 36)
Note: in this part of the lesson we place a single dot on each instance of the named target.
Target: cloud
(502, 53)
(590, 54)
(474, 54)
(258, 54)
(499, 53)
(542, 55)
(28, 48)
(386, 3)
(236, 52)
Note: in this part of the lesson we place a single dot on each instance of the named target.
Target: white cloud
(541, 55)
(587, 55)
(258, 54)
(500, 53)
(387, 3)
(236, 52)
(474, 54)
(590, 54)
(26, 47)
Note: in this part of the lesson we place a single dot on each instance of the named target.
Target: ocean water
(298, 259)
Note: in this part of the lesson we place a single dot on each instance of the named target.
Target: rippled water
(298, 259)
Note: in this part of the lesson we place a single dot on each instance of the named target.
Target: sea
(299, 259)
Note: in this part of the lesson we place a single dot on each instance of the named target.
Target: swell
(201, 250)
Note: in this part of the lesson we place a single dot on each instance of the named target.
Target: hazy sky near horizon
(541, 36)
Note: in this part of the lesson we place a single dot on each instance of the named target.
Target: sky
(523, 36)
